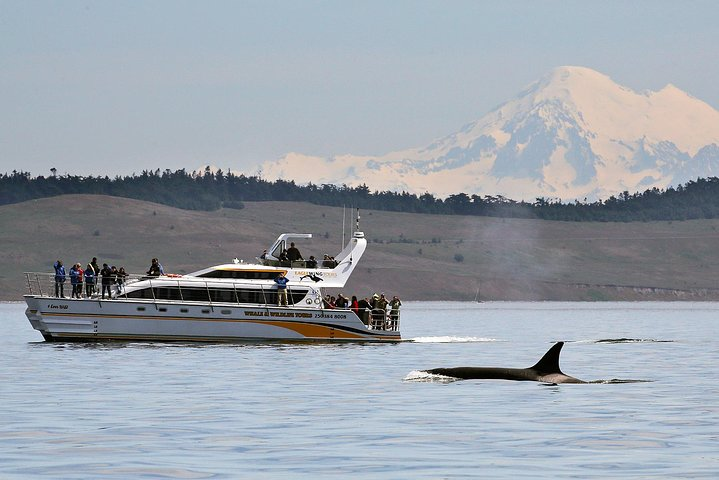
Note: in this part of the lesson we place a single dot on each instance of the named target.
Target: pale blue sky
(116, 87)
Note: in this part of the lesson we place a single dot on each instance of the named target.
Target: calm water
(313, 411)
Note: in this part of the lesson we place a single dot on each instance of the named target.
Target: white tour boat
(233, 302)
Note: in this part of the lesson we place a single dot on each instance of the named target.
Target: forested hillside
(212, 191)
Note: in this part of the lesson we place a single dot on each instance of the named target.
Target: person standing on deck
(89, 280)
(96, 273)
(107, 279)
(95, 266)
(281, 282)
(59, 279)
(364, 307)
(394, 305)
(382, 303)
(293, 253)
(76, 280)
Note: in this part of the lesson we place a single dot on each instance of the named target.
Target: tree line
(213, 190)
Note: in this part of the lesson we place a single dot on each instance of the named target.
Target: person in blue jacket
(281, 282)
(59, 279)
(89, 280)
(76, 281)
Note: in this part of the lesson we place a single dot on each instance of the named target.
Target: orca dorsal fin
(550, 361)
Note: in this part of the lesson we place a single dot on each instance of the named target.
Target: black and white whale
(546, 370)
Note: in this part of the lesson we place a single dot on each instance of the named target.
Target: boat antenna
(343, 227)
(358, 219)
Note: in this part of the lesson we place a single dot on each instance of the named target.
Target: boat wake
(615, 381)
(451, 339)
(622, 340)
(632, 340)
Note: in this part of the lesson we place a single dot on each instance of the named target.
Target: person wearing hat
(382, 302)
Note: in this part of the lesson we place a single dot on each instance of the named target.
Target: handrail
(130, 279)
(41, 278)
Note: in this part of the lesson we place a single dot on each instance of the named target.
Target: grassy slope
(506, 258)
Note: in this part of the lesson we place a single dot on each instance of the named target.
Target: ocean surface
(154, 410)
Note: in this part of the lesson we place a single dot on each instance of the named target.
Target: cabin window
(184, 310)
(162, 309)
(241, 274)
(205, 310)
(217, 295)
(140, 309)
(225, 312)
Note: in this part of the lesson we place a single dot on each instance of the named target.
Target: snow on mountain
(573, 134)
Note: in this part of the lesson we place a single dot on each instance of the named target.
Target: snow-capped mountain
(573, 134)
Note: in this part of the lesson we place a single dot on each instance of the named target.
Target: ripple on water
(452, 339)
(151, 410)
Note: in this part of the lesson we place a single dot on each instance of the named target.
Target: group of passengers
(292, 254)
(377, 305)
(109, 277)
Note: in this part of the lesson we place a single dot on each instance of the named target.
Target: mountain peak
(670, 90)
(572, 83)
(569, 71)
(574, 133)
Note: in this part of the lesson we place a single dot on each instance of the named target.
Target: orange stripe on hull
(316, 331)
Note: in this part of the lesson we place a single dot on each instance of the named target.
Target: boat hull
(62, 319)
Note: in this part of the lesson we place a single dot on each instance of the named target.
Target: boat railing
(43, 284)
(380, 319)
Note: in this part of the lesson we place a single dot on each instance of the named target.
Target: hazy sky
(117, 87)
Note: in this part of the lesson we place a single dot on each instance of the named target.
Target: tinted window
(243, 274)
(216, 295)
